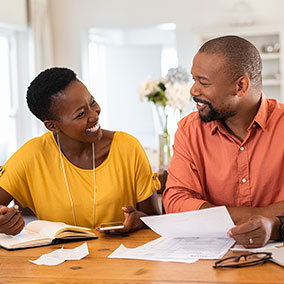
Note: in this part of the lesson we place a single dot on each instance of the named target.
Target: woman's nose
(93, 114)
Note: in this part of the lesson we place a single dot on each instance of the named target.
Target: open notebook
(40, 233)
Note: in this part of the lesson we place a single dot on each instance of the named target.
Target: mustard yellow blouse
(34, 176)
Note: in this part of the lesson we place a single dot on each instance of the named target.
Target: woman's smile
(94, 128)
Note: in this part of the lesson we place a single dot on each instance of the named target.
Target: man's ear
(51, 125)
(242, 85)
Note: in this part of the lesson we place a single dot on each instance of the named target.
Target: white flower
(148, 87)
(177, 94)
(177, 75)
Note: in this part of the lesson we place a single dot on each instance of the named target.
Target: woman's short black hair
(48, 84)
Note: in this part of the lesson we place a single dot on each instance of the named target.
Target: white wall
(126, 65)
(71, 19)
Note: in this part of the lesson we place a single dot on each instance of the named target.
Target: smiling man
(230, 152)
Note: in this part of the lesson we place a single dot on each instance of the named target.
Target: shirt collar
(262, 113)
(260, 117)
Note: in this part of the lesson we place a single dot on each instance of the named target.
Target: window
(15, 75)
(8, 104)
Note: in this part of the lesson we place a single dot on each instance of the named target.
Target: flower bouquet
(169, 93)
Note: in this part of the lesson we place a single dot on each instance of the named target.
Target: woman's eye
(81, 114)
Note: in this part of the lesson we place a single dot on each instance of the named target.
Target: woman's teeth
(94, 128)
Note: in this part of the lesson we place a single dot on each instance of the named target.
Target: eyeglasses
(243, 260)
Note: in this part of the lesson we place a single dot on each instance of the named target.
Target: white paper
(186, 237)
(60, 255)
(128, 253)
(265, 248)
(212, 222)
(177, 249)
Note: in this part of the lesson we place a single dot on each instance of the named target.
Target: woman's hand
(131, 223)
(11, 220)
(132, 220)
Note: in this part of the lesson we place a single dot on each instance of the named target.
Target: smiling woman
(78, 173)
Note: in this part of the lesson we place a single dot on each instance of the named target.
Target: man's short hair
(242, 57)
(48, 84)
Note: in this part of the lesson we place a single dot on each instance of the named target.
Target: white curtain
(41, 44)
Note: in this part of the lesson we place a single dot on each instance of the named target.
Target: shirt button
(242, 148)
(244, 180)
(254, 125)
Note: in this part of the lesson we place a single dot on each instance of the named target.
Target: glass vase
(164, 151)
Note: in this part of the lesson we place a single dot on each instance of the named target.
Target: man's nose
(194, 91)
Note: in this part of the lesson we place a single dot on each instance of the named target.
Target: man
(231, 152)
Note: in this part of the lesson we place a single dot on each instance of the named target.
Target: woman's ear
(242, 85)
(51, 125)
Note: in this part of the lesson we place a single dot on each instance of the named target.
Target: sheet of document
(268, 246)
(212, 222)
(177, 249)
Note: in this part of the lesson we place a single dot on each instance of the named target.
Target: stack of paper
(186, 237)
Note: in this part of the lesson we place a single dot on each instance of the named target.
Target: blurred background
(113, 45)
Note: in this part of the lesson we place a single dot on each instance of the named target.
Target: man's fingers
(245, 228)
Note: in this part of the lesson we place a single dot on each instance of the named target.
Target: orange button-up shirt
(209, 164)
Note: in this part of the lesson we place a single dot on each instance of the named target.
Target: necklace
(67, 185)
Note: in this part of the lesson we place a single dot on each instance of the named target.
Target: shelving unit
(272, 60)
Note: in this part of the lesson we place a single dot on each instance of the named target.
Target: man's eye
(93, 102)
(203, 84)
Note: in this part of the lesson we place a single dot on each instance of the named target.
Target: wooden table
(97, 268)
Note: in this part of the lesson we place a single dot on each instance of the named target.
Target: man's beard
(214, 114)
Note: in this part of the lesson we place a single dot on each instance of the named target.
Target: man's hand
(255, 231)
(11, 221)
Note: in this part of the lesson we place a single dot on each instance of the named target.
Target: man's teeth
(200, 104)
(94, 128)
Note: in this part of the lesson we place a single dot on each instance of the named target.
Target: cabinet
(269, 42)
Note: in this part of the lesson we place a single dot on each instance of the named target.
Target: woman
(77, 173)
